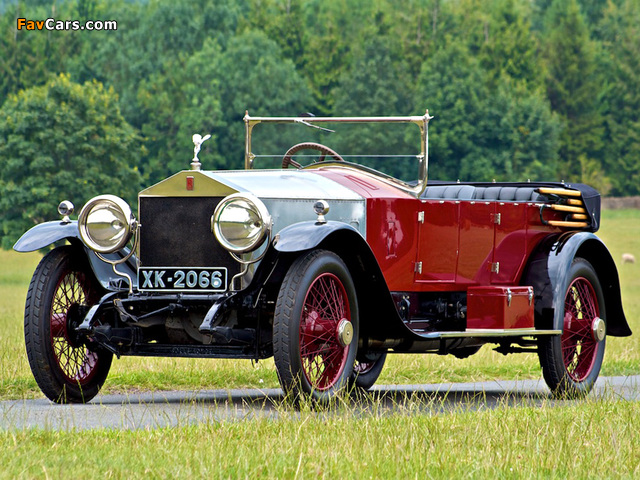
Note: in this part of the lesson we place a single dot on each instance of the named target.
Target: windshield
(392, 146)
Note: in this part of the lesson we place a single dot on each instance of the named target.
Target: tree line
(520, 89)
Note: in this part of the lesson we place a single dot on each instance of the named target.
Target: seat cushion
(450, 192)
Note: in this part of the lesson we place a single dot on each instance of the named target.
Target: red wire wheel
(579, 347)
(74, 360)
(315, 326)
(571, 362)
(325, 311)
(64, 366)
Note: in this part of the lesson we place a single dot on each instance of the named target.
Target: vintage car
(327, 267)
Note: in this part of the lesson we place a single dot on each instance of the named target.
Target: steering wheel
(287, 160)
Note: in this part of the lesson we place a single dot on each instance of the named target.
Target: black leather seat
(499, 193)
(508, 194)
(450, 192)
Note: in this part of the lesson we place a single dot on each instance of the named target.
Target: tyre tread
(39, 352)
(285, 326)
(550, 350)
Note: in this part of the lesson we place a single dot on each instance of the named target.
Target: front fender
(379, 319)
(47, 233)
(548, 273)
(306, 235)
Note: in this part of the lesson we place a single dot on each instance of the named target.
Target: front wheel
(65, 368)
(571, 362)
(315, 327)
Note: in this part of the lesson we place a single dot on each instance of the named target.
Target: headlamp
(240, 223)
(106, 223)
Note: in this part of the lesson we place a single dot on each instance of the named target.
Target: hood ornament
(198, 140)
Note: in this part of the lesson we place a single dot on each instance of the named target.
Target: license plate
(168, 279)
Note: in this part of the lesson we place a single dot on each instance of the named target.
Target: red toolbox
(500, 307)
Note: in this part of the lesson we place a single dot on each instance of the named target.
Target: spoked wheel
(571, 362)
(61, 291)
(315, 327)
(366, 372)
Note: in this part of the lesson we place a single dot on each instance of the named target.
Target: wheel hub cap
(345, 332)
(598, 329)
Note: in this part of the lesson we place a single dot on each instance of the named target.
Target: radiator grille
(176, 232)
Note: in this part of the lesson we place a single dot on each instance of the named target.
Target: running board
(485, 332)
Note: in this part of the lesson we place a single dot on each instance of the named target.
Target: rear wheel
(65, 368)
(315, 327)
(571, 362)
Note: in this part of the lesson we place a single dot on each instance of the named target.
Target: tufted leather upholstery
(471, 192)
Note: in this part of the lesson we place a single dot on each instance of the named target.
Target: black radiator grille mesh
(176, 232)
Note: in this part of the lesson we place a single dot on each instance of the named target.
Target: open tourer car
(326, 264)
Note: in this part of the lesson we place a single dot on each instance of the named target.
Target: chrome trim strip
(470, 333)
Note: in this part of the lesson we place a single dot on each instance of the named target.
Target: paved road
(178, 408)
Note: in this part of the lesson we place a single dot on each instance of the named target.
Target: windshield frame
(421, 121)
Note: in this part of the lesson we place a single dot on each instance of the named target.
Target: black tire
(366, 373)
(571, 362)
(65, 369)
(317, 298)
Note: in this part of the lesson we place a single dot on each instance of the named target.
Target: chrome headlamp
(240, 223)
(106, 223)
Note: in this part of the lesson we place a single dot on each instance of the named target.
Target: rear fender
(48, 233)
(547, 272)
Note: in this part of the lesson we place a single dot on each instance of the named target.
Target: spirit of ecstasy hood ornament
(198, 140)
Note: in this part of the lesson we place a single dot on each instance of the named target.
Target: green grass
(592, 439)
(620, 231)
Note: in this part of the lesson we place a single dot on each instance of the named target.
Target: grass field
(581, 439)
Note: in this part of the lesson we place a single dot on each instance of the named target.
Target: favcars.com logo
(53, 24)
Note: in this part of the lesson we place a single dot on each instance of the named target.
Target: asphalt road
(179, 408)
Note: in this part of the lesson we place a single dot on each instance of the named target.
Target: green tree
(253, 75)
(62, 141)
(533, 135)
(284, 23)
(146, 62)
(210, 94)
(376, 84)
(620, 96)
(30, 57)
(333, 32)
(153, 39)
(593, 10)
(418, 26)
(479, 134)
(451, 84)
(572, 88)
(182, 102)
(509, 47)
